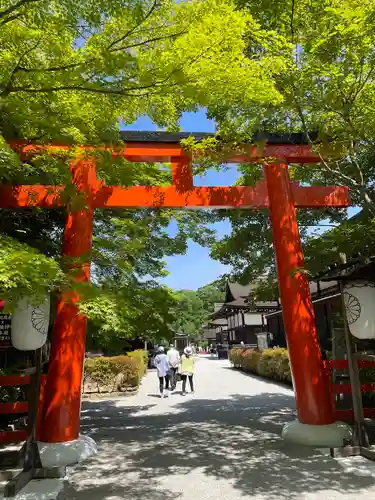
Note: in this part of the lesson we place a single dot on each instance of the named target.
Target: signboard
(5, 330)
(262, 341)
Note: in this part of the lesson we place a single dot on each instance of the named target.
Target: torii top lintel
(166, 147)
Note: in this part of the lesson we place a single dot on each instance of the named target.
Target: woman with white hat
(162, 365)
(187, 369)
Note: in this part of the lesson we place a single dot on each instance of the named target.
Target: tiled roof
(354, 269)
(176, 137)
(162, 137)
(236, 290)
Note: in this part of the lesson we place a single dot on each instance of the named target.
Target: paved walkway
(223, 443)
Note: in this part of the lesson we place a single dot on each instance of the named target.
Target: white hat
(188, 350)
(161, 348)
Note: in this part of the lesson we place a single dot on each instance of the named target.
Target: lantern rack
(364, 361)
(18, 407)
(360, 442)
(29, 457)
(365, 357)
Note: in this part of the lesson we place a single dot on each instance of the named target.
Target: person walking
(212, 351)
(187, 369)
(174, 362)
(162, 365)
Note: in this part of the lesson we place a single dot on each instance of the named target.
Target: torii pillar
(315, 424)
(60, 426)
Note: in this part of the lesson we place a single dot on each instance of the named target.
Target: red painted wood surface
(15, 407)
(40, 419)
(159, 152)
(310, 376)
(61, 407)
(62, 394)
(14, 380)
(178, 195)
(342, 364)
(12, 436)
(348, 415)
(347, 388)
(19, 407)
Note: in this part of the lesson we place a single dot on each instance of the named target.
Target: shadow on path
(143, 455)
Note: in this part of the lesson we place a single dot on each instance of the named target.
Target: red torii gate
(61, 407)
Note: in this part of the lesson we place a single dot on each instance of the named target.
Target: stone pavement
(223, 443)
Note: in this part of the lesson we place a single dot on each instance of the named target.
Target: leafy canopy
(328, 48)
(72, 72)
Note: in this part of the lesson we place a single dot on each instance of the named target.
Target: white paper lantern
(359, 300)
(30, 326)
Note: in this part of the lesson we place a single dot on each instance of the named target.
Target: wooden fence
(15, 408)
(347, 415)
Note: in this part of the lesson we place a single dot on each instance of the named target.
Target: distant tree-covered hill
(194, 307)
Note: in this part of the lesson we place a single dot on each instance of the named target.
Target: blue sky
(196, 268)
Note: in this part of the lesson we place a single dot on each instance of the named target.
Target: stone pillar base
(68, 453)
(321, 436)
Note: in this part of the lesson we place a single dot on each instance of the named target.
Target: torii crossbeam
(61, 410)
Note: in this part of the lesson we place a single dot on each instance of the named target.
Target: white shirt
(173, 357)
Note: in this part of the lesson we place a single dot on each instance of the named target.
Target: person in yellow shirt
(187, 369)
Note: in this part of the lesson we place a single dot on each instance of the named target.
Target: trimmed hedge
(274, 364)
(114, 374)
(271, 363)
(142, 358)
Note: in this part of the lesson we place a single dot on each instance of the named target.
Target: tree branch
(11, 18)
(132, 30)
(14, 7)
(8, 85)
(76, 65)
(307, 133)
(50, 69)
(95, 90)
(150, 40)
(292, 21)
(362, 85)
(360, 187)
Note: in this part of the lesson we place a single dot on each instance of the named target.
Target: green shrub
(131, 369)
(142, 357)
(274, 363)
(271, 363)
(100, 371)
(266, 365)
(235, 357)
(244, 358)
(283, 370)
(250, 360)
(114, 373)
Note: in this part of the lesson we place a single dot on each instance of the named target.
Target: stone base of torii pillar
(68, 453)
(321, 436)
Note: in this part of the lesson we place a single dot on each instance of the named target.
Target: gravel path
(222, 443)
